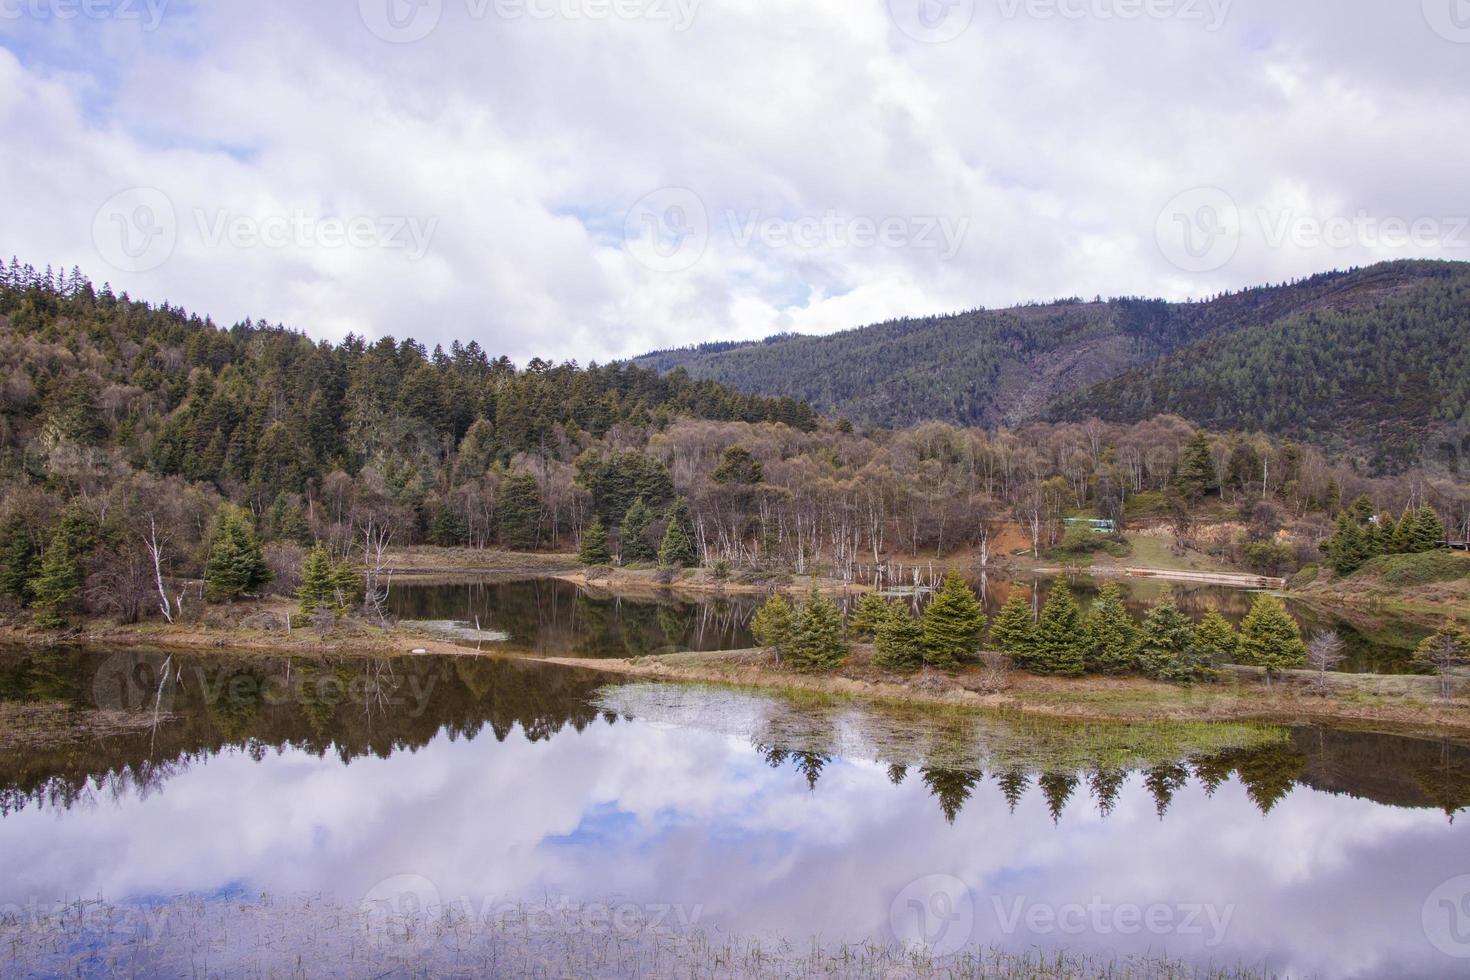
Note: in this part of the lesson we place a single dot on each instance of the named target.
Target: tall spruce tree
(1112, 636)
(1014, 630)
(1429, 532)
(870, 613)
(1216, 640)
(593, 549)
(318, 588)
(1270, 638)
(57, 587)
(18, 559)
(953, 624)
(678, 547)
(635, 547)
(900, 641)
(772, 624)
(236, 565)
(1167, 650)
(519, 512)
(1195, 475)
(816, 644)
(1060, 639)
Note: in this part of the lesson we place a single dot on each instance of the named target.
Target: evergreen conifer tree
(1195, 475)
(593, 550)
(678, 543)
(1112, 636)
(1270, 638)
(1167, 651)
(318, 586)
(518, 512)
(1428, 532)
(773, 623)
(1014, 630)
(816, 644)
(953, 624)
(57, 587)
(900, 641)
(1216, 640)
(636, 548)
(869, 614)
(18, 563)
(236, 565)
(1060, 638)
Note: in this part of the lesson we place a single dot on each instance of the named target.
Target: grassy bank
(1091, 698)
(1430, 587)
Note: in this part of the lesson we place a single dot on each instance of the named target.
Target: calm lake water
(550, 616)
(466, 782)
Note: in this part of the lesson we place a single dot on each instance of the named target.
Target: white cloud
(526, 141)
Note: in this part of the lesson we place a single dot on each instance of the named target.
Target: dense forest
(1367, 360)
(143, 444)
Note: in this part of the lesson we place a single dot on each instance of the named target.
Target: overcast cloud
(596, 178)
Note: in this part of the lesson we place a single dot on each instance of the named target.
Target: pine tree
(1216, 640)
(1348, 549)
(636, 548)
(816, 644)
(1428, 532)
(900, 641)
(1014, 630)
(1270, 638)
(1402, 542)
(953, 624)
(593, 550)
(318, 586)
(1195, 475)
(57, 587)
(1060, 638)
(869, 614)
(518, 512)
(447, 529)
(678, 544)
(236, 565)
(1112, 636)
(773, 623)
(1167, 651)
(18, 564)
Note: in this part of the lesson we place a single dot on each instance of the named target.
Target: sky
(594, 179)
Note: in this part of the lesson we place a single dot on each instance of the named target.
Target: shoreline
(1291, 701)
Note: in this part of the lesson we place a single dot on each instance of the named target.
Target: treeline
(1367, 359)
(125, 429)
(1384, 377)
(1062, 641)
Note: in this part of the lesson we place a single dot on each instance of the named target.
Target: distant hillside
(1214, 361)
(1387, 376)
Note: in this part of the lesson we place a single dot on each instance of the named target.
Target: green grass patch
(1426, 569)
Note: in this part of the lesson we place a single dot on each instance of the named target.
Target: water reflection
(506, 778)
(551, 617)
(556, 618)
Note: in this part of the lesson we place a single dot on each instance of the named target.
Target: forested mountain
(1134, 358)
(264, 410)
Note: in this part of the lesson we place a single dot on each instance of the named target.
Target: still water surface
(1300, 850)
(554, 617)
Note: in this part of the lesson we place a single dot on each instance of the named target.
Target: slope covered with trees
(1280, 359)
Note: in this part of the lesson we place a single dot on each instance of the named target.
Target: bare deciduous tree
(1324, 653)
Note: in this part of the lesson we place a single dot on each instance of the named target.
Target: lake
(548, 616)
(235, 806)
